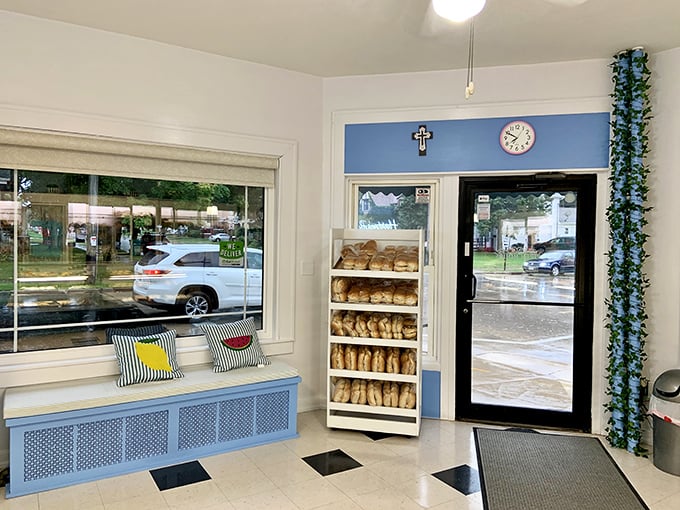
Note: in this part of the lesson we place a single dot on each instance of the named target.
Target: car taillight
(155, 272)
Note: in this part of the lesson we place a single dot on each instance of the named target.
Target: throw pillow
(234, 345)
(152, 329)
(146, 358)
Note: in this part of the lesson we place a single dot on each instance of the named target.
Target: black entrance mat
(524, 471)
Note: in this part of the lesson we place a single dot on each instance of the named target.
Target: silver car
(190, 278)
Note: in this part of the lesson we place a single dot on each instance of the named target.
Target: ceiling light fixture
(458, 10)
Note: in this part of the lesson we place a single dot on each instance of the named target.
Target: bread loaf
(407, 396)
(341, 391)
(374, 393)
(378, 359)
(408, 362)
(410, 330)
(337, 356)
(392, 362)
(390, 394)
(364, 359)
(351, 354)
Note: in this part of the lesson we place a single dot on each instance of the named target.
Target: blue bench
(77, 431)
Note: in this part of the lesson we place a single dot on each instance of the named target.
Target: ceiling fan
(441, 12)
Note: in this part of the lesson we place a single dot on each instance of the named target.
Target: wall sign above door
(422, 135)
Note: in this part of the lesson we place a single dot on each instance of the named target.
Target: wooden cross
(422, 135)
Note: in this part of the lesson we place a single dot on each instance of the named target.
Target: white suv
(189, 277)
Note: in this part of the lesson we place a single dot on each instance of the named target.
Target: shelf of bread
(378, 376)
(390, 275)
(374, 291)
(374, 393)
(403, 344)
(363, 408)
(374, 320)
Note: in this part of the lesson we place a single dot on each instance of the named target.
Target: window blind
(71, 153)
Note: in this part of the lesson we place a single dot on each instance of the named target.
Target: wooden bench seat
(76, 431)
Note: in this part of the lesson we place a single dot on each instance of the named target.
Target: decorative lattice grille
(146, 435)
(197, 426)
(272, 412)
(100, 443)
(236, 419)
(48, 452)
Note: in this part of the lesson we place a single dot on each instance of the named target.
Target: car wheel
(197, 303)
(540, 250)
(555, 270)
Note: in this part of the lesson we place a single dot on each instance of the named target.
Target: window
(82, 251)
(385, 206)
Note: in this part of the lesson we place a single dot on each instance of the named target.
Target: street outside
(522, 354)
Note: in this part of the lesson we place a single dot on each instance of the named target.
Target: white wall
(529, 90)
(63, 77)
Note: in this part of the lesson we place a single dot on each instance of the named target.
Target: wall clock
(517, 137)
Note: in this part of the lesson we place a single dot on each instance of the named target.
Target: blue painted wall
(569, 141)
(431, 394)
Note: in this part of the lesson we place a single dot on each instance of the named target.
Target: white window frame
(280, 242)
(431, 358)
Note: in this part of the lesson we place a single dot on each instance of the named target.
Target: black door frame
(580, 417)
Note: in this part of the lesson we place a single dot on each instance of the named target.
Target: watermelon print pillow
(234, 345)
(146, 358)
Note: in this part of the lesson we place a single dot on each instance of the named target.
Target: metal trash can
(665, 410)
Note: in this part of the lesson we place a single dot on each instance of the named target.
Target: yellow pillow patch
(153, 356)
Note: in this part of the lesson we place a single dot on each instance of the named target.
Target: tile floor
(394, 473)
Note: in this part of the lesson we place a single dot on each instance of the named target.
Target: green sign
(231, 253)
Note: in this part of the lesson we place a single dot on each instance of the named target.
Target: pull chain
(470, 85)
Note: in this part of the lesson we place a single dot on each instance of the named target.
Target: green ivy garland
(627, 281)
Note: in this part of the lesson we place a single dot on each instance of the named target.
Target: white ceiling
(355, 37)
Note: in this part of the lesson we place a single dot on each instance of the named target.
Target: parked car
(221, 236)
(556, 243)
(189, 278)
(553, 262)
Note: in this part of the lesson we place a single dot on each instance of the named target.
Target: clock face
(517, 137)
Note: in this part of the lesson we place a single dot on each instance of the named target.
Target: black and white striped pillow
(153, 329)
(146, 358)
(234, 345)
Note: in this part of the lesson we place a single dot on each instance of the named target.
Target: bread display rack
(374, 356)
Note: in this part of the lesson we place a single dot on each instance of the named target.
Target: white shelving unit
(362, 416)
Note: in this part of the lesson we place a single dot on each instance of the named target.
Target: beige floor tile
(270, 453)
(196, 495)
(241, 484)
(396, 471)
(227, 463)
(284, 474)
(120, 488)
(386, 499)
(29, 502)
(461, 502)
(356, 482)
(265, 501)
(83, 496)
(654, 485)
(343, 503)
(428, 491)
(312, 494)
(152, 500)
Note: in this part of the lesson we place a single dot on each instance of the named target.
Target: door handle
(474, 287)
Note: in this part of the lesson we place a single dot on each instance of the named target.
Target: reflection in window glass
(399, 208)
(96, 251)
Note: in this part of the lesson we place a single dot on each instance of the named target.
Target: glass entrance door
(524, 301)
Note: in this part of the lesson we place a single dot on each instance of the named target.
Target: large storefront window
(80, 254)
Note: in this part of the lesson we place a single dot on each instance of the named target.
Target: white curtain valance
(39, 150)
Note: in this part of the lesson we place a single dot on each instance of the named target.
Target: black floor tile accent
(462, 478)
(179, 475)
(329, 463)
(377, 436)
